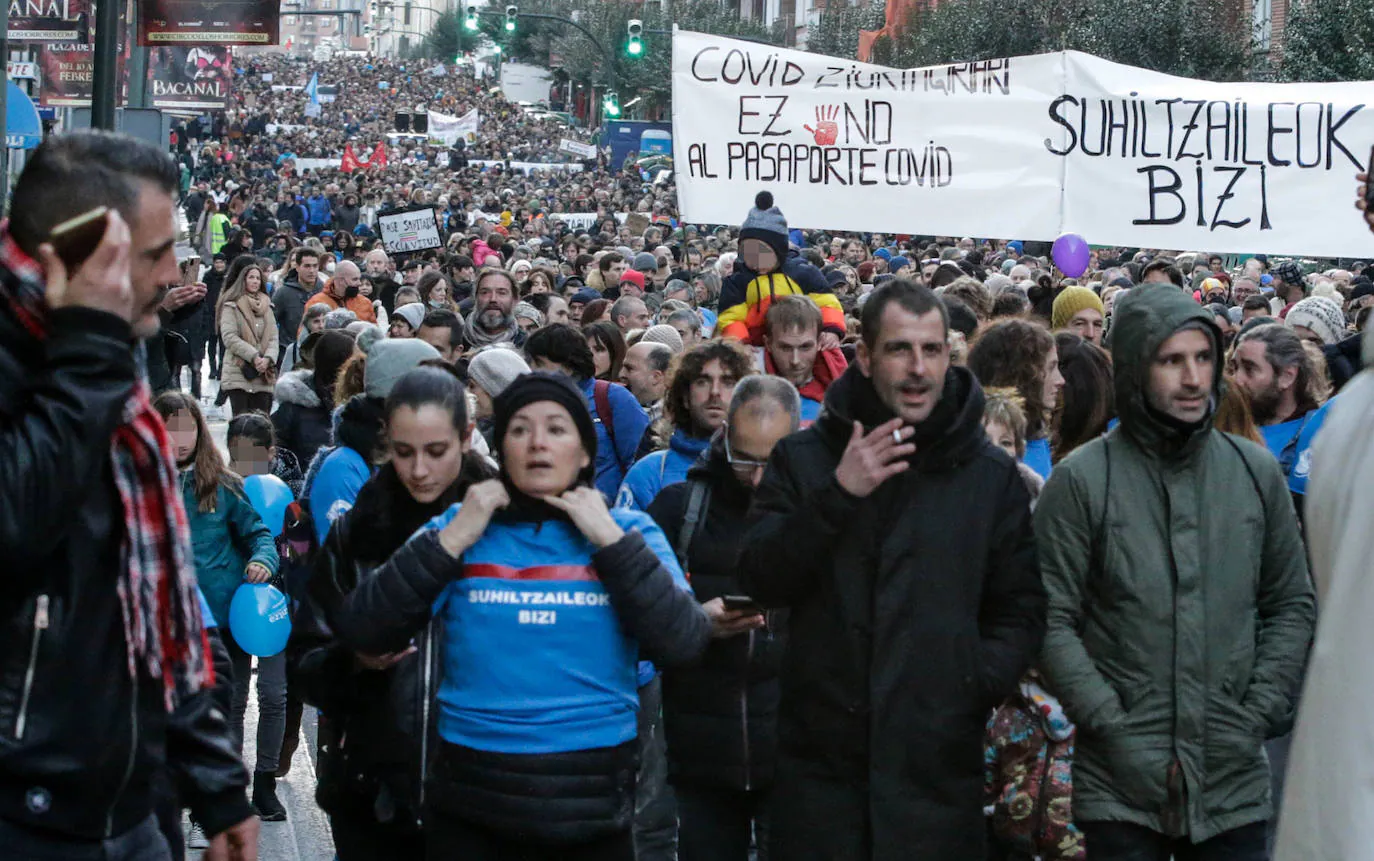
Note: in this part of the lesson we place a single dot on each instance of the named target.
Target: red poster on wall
(215, 22)
(184, 78)
(49, 20)
(67, 75)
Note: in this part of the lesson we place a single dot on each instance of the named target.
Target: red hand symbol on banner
(827, 131)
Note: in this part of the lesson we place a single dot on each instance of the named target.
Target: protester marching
(559, 520)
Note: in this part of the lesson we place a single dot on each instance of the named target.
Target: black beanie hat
(543, 386)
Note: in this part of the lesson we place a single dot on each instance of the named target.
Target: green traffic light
(635, 48)
(510, 26)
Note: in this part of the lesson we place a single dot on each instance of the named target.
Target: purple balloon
(1071, 254)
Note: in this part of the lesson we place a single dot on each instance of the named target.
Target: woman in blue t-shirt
(545, 600)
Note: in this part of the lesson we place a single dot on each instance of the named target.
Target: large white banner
(447, 130)
(1026, 147)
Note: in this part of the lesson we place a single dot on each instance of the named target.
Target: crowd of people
(644, 540)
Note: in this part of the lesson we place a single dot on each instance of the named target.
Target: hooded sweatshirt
(657, 470)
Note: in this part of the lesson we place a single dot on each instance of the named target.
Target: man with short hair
(293, 294)
(343, 291)
(900, 540)
(612, 266)
(688, 326)
(492, 320)
(791, 350)
(630, 312)
(443, 330)
(1162, 270)
(721, 715)
(1243, 289)
(1282, 383)
(645, 373)
(1180, 606)
(108, 691)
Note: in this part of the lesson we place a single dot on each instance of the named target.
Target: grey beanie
(1321, 315)
(413, 313)
(645, 262)
(663, 334)
(766, 222)
(496, 367)
(339, 318)
(390, 359)
(366, 333)
(526, 311)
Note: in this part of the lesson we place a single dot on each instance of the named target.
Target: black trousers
(245, 402)
(721, 824)
(358, 836)
(448, 838)
(1123, 841)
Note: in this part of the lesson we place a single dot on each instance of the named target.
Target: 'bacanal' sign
(410, 230)
(1026, 147)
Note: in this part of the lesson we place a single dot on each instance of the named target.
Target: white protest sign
(571, 167)
(413, 230)
(583, 220)
(577, 148)
(447, 130)
(1026, 147)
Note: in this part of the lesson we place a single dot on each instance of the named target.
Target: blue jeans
(1122, 841)
(655, 825)
(143, 842)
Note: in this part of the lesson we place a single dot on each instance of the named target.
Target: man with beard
(698, 394)
(1180, 609)
(342, 291)
(1279, 377)
(492, 320)
(900, 539)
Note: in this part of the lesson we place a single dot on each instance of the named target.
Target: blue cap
(883, 253)
(897, 263)
(1015, 245)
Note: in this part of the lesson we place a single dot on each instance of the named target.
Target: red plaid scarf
(157, 589)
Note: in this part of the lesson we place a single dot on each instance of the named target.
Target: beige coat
(1328, 804)
(245, 338)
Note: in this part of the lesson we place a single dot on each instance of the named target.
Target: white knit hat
(495, 368)
(1321, 315)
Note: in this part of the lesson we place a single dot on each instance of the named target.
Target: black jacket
(82, 740)
(376, 727)
(302, 421)
(720, 717)
(556, 798)
(915, 610)
(288, 304)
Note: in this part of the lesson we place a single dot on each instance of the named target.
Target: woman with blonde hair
(248, 330)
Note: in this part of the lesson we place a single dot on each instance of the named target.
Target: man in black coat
(720, 717)
(901, 541)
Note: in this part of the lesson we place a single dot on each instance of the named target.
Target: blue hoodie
(320, 209)
(659, 469)
(630, 420)
(535, 659)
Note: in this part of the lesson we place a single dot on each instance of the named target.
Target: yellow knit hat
(1070, 301)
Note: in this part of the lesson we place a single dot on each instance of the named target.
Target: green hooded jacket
(1180, 607)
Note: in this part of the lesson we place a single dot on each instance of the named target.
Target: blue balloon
(269, 497)
(260, 619)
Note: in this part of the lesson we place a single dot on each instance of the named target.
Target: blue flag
(312, 90)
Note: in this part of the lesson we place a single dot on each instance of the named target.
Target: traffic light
(511, 12)
(471, 21)
(635, 45)
(610, 103)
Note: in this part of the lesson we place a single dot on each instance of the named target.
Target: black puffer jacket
(302, 420)
(80, 741)
(375, 726)
(720, 717)
(915, 610)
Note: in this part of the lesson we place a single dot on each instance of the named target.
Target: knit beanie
(495, 368)
(390, 359)
(367, 334)
(1070, 301)
(584, 296)
(634, 276)
(663, 334)
(897, 263)
(1321, 315)
(339, 318)
(526, 311)
(766, 222)
(543, 386)
(413, 313)
(645, 262)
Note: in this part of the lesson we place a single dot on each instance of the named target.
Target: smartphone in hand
(738, 603)
(76, 239)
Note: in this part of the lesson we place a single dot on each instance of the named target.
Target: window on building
(1263, 23)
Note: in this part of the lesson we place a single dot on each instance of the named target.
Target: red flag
(350, 160)
(379, 155)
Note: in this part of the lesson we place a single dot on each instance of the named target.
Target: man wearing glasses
(720, 717)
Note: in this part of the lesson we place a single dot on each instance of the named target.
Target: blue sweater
(1298, 433)
(630, 420)
(535, 658)
(659, 469)
(342, 473)
(224, 542)
(1038, 456)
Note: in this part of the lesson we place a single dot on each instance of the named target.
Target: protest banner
(1025, 147)
(447, 130)
(49, 20)
(415, 229)
(584, 220)
(212, 22)
(189, 78)
(577, 148)
(571, 167)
